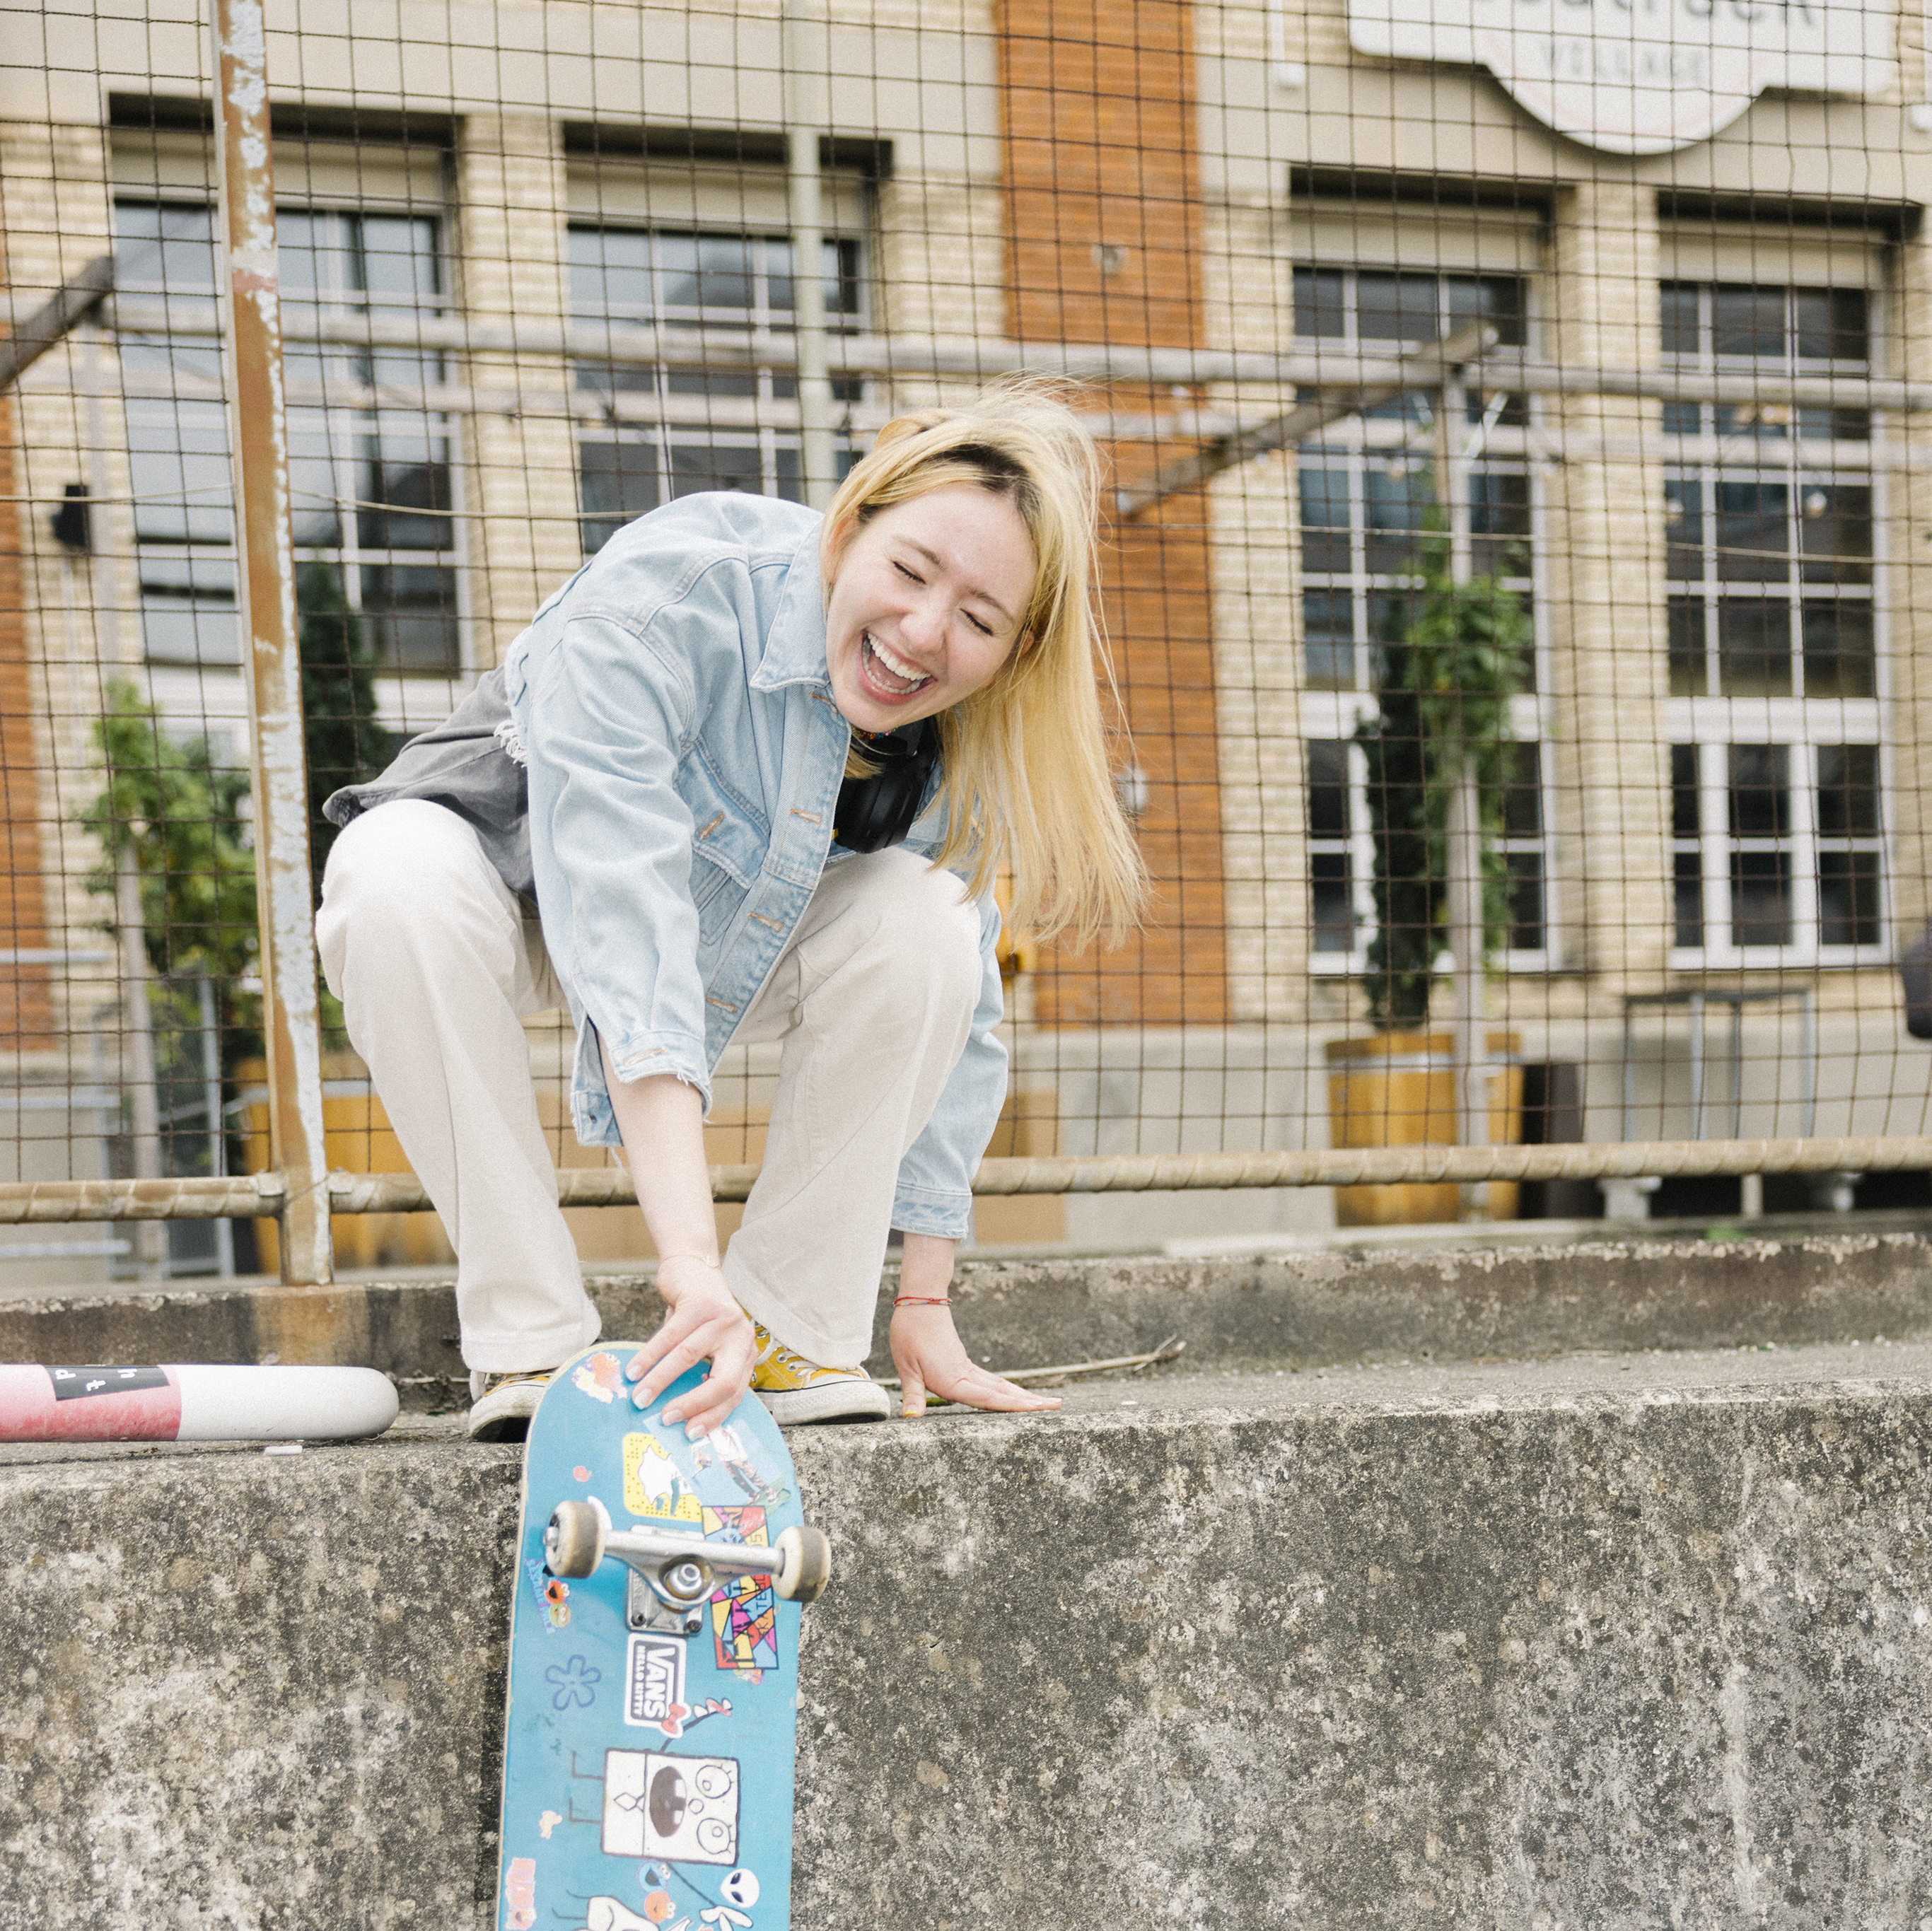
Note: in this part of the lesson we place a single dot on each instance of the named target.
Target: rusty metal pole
(258, 438)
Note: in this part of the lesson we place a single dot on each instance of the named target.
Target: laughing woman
(749, 775)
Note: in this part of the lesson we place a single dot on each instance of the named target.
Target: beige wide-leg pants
(436, 964)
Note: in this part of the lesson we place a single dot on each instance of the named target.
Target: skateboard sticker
(684, 1809)
(520, 1894)
(74, 1383)
(654, 1681)
(654, 1688)
(600, 1377)
(736, 1461)
(740, 1888)
(653, 1488)
(574, 1683)
(553, 1592)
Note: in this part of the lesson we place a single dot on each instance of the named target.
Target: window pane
(1523, 900)
(1523, 791)
(188, 610)
(1688, 672)
(1748, 320)
(173, 248)
(610, 274)
(1321, 307)
(1324, 519)
(715, 465)
(396, 468)
(1834, 531)
(1760, 899)
(395, 256)
(1753, 538)
(1397, 498)
(1680, 318)
(409, 613)
(1833, 324)
(1499, 299)
(1684, 529)
(618, 480)
(1848, 791)
(1398, 307)
(1328, 788)
(1753, 647)
(177, 470)
(705, 271)
(312, 485)
(1499, 521)
(1684, 811)
(1688, 894)
(1760, 790)
(1848, 897)
(1328, 635)
(1333, 893)
(1683, 418)
(1839, 658)
(840, 269)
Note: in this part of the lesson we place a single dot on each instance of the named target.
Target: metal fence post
(258, 437)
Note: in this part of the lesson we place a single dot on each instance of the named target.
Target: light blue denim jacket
(684, 756)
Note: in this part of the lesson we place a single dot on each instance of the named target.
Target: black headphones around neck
(875, 812)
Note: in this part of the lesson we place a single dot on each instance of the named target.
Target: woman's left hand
(932, 1360)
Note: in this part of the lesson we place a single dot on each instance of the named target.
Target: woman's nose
(924, 623)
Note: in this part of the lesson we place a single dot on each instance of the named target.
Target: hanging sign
(1640, 76)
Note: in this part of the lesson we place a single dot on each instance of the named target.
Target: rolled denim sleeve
(934, 1194)
(605, 718)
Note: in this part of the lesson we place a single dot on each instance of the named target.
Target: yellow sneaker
(501, 1406)
(797, 1390)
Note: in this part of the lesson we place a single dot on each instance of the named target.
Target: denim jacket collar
(795, 645)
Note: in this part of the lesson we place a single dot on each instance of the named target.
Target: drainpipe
(258, 435)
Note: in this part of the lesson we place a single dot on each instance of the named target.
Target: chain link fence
(1519, 527)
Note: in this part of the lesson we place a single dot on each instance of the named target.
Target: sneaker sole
(504, 1413)
(845, 1400)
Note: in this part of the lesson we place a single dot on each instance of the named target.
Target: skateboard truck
(673, 1575)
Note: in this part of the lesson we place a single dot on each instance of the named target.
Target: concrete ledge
(1453, 1302)
(1642, 1641)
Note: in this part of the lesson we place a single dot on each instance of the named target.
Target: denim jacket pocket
(725, 832)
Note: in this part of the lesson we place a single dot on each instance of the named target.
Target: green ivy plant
(1456, 654)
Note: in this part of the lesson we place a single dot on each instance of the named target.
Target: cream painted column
(1608, 615)
(1906, 542)
(1257, 579)
(519, 463)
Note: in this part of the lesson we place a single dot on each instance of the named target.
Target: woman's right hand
(703, 1322)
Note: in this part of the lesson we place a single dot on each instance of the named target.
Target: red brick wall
(1098, 113)
(26, 1018)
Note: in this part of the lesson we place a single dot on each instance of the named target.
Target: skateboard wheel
(573, 1542)
(805, 1565)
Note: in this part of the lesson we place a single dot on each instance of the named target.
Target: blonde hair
(1027, 784)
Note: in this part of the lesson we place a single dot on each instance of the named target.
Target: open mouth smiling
(893, 677)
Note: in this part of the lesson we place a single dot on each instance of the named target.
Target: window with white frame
(697, 429)
(1367, 501)
(371, 485)
(1777, 802)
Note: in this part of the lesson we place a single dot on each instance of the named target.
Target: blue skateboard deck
(647, 1772)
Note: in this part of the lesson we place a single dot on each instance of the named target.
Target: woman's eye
(910, 577)
(984, 629)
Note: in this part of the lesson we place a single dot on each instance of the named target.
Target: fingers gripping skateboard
(683, 1569)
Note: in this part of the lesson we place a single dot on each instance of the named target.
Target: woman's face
(925, 604)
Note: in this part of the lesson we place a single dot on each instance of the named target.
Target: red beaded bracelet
(923, 1300)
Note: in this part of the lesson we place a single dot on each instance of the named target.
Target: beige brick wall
(1607, 609)
(520, 470)
(82, 623)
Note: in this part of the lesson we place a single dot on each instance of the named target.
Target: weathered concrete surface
(1614, 1642)
(1455, 1303)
